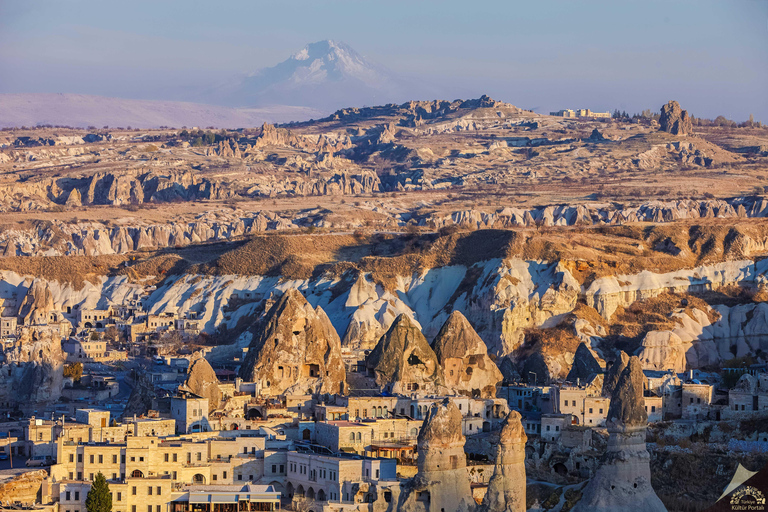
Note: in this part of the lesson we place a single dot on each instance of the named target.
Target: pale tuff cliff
(295, 349)
(623, 481)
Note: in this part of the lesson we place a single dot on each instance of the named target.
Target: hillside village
(420, 307)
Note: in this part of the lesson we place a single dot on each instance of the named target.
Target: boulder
(295, 350)
(403, 361)
(506, 489)
(463, 356)
(674, 119)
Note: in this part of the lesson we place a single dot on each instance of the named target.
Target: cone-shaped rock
(584, 365)
(295, 350)
(202, 381)
(441, 483)
(403, 361)
(614, 372)
(464, 358)
(623, 481)
(506, 489)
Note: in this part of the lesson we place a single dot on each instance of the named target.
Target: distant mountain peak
(326, 75)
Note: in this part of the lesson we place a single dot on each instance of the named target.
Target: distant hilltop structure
(581, 112)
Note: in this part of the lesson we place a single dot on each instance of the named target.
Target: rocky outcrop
(614, 372)
(584, 367)
(32, 369)
(506, 489)
(441, 482)
(403, 361)
(674, 119)
(25, 488)
(37, 304)
(663, 350)
(295, 349)
(623, 481)
(202, 381)
(464, 358)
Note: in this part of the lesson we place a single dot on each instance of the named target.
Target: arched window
(352, 436)
(414, 432)
(359, 436)
(137, 474)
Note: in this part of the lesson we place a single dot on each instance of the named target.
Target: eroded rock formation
(623, 481)
(506, 489)
(295, 349)
(202, 381)
(585, 366)
(464, 358)
(614, 372)
(33, 369)
(25, 488)
(441, 483)
(674, 119)
(403, 361)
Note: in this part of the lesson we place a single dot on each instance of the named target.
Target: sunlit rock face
(295, 350)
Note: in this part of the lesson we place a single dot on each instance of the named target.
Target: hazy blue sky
(711, 55)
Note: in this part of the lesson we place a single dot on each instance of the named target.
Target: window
(114, 476)
(174, 475)
(653, 408)
(239, 477)
(77, 495)
(149, 490)
(70, 475)
(159, 490)
(174, 457)
(122, 459)
(90, 477)
(114, 459)
(133, 459)
(71, 457)
(215, 477)
(157, 508)
(224, 475)
(69, 496)
(141, 459)
(79, 457)
(547, 428)
(119, 496)
(274, 468)
(79, 475)
(167, 457)
(149, 508)
(133, 508)
(199, 456)
(133, 491)
(601, 411)
(101, 459)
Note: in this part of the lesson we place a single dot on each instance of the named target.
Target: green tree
(74, 370)
(99, 499)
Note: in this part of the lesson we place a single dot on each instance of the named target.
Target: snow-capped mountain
(325, 75)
